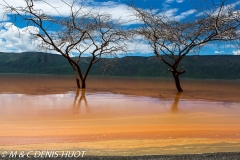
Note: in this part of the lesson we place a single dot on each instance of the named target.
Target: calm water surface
(121, 116)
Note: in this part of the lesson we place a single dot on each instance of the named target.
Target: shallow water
(120, 117)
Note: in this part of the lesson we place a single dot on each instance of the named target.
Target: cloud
(14, 39)
(116, 9)
(172, 13)
(169, 1)
(172, 1)
(179, 1)
(59, 8)
(183, 15)
(224, 10)
(237, 52)
(219, 52)
(140, 46)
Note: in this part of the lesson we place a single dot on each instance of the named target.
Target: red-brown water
(119, 116)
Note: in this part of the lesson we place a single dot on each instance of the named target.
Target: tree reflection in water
(174, 108)
(78, 100)
(82, 97)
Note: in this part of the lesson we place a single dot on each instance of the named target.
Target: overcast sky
(15, 38)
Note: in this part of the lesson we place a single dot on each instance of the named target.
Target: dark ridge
(207, 67)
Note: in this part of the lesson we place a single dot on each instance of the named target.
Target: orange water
(116, 124)
(118, 120)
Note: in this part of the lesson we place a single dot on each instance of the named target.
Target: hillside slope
(217, 67)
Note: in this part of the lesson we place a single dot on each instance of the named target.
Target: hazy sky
(15, 37)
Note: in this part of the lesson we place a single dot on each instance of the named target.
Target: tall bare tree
(81, 32)
(171, 40)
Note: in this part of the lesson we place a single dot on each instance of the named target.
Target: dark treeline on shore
(210, 67)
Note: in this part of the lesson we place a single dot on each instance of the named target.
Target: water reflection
(78, 100)
(174, 107)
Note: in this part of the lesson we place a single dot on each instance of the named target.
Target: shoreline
(131, 77)
(161, 88)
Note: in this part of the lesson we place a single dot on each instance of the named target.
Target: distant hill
(212, 67)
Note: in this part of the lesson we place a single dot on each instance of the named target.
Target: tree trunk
(177, 82)
(78, 83)
(83, 83)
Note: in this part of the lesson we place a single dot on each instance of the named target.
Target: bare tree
(81, 32)
(171, 40)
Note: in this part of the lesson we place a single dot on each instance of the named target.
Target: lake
(119, 115)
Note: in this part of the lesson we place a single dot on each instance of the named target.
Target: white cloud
(172, 1)
(179, 1)
(224, 10)
(219, 52)
(14, 39)
(183, 15)
(169, 1)
(11, 40)
(62, 9)
(172, 14)
(139, 45)
(237, 52)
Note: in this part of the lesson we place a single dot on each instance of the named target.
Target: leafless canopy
(81, 32)
(171, 40)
